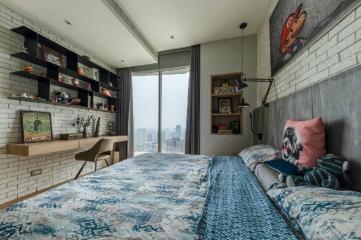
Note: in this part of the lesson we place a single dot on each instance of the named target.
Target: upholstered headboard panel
(337, 100)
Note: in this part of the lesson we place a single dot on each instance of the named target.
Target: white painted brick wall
(15, 180)
(337, 50)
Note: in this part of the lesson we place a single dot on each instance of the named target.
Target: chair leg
(80, 170)
(106, 162)
(95, 166)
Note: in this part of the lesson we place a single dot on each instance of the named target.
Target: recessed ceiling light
(67, 22)
(122, 61)
(172, 36)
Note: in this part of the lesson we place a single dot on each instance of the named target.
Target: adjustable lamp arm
(265, 80)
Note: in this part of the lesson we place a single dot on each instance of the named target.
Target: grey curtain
(192, 141)
(124, 118)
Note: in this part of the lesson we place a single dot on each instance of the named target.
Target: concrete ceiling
(134, 30)
(95, 28)
(194, 21)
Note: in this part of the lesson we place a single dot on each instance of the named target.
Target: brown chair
(100, 151)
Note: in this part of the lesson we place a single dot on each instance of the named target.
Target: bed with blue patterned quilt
(236, 206)
(151, 196)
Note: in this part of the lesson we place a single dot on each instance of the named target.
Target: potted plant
(83, 122)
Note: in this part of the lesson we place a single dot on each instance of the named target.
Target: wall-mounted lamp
(241, 81)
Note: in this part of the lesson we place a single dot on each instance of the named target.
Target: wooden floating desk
(33, 149)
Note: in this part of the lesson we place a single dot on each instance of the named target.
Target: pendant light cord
(242, 52)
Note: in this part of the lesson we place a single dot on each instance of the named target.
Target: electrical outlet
(35, 172)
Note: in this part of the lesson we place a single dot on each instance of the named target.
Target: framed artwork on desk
(36, 126)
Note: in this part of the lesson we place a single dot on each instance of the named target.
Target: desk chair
(100, 151)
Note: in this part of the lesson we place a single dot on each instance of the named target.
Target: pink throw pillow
(304, 142)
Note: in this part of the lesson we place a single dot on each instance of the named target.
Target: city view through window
(173, 114)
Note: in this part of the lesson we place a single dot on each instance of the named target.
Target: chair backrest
(103, 146)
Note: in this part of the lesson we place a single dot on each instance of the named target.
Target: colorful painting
(36, 126)
(294, 23)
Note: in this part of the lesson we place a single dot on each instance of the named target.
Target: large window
(160, 103)
(145, 109)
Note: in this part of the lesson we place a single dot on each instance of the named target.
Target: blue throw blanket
(236, 207)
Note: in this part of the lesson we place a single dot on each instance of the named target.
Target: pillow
(282, 166)
(259, 153)
(267, 177)
(303, 142)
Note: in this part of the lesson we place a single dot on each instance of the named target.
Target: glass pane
(145, 108)
(174, 110)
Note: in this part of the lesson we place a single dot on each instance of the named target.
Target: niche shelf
(226, 117)
(34, 43)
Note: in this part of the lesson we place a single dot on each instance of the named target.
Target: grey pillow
(258, 154)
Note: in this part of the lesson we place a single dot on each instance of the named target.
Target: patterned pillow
(303, 142)
(321, 213)
(259, 153)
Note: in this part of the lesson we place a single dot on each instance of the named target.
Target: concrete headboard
(337, 100)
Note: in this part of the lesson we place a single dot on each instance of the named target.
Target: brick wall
(15, 179)
(334, 51)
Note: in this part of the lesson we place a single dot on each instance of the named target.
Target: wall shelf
(57, 104)
(33, 44)
(223, 89)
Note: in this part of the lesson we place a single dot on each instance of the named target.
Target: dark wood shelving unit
(31, 43)
(57, 104)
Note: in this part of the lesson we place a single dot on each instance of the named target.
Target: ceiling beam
(118, 12)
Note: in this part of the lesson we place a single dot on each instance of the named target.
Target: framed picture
(52, 56)
(294, 23)
(36, 126)
(235, 126)
(225, 105)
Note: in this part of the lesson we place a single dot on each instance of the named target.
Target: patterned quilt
(236, 207)
(151, 196)
(321, 213)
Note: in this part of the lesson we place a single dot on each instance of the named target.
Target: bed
(152, 196)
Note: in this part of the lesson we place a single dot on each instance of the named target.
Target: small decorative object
(71, 136)
(80, 71)
(224, 131)
(83, 122)
(75, 82)
(24, 95)
(110, 84)
(36, 126)
(235, 126)
(224, 90)
(28, 69)
(105, 107)
(95, 74)
(52, 56)
(111, 127)
(106, 92)
(112, 108)
(96, 134)
(100, 105)
(225, 105)
(75, 101)
(60, 78)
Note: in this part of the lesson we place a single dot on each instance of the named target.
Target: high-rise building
(178, 131)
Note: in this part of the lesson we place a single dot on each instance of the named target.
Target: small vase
(85, 132)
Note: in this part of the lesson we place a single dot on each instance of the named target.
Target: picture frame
(235, 126)
(36, 126)
(225, 105)
(52, 56)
